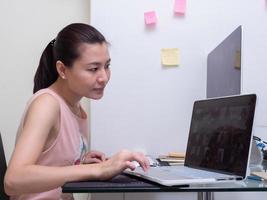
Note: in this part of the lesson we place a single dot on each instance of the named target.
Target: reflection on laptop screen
(220, 133)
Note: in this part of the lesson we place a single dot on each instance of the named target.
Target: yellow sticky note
(170, 56)
(237, 59)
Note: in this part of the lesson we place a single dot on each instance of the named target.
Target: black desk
(123, 183)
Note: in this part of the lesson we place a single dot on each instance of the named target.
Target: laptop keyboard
(183, 172)
(195, 173)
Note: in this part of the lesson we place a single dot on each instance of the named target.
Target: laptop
(218, 145)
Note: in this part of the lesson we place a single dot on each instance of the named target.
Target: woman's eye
(107, 66)
(92, 69)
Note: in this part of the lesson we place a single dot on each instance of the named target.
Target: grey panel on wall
(224, 67)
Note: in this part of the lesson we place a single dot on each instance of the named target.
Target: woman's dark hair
(64, 48)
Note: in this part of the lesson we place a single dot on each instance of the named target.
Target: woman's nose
(103, 76)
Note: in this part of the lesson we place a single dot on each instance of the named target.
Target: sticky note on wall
(150, 17)
(170, 56)
(179, 6)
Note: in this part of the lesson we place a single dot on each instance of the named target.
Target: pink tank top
(67, 149)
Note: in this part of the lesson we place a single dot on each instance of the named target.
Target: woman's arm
(24, 176)
(42, 178)
(40, 122)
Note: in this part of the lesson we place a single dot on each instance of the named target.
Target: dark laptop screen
(220, 134)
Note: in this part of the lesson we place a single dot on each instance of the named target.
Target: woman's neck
(69, 97)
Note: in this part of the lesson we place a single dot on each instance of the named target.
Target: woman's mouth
(98, 89)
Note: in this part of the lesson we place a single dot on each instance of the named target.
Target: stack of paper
(172, 158)
(262, 175)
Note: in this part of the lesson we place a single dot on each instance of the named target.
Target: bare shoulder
(41, 117)
(45, 108)
(46, 100)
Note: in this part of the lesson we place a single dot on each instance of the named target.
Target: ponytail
(46, 73)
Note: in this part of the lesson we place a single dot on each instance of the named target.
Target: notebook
(218, 144)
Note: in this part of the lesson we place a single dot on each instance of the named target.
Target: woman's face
(90, 72)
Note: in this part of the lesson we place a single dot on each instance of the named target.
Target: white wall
(146, 103)
(148, 107)
(26, 27)
(143, 100)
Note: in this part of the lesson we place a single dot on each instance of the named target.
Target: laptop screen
(220, 134)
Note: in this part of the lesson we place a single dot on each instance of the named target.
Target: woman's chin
(96, 96)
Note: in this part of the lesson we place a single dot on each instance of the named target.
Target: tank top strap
(47, 91)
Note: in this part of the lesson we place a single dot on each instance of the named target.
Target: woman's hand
(93, 157)
(121, 161)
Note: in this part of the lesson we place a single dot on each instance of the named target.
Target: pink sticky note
(150, 17)
(179, 6)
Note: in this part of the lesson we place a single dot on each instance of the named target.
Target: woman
(52, 137)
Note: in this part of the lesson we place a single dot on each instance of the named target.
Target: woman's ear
(61, 69)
